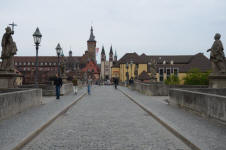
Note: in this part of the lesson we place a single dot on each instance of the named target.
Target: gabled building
(165, 65)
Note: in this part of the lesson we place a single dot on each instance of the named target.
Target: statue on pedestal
(136, 72)
(153, 71)
(217, 56)
(9, 49)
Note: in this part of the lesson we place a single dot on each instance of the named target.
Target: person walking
(116, 82)
(89, 83)
(58, 83)
(75, 85)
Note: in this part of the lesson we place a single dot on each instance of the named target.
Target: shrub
(196, 77)
(172, 80)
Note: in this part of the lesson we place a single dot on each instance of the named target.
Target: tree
(196, 77)
(172, 80)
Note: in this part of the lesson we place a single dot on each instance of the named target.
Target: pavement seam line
(164, 124)
(30, 137)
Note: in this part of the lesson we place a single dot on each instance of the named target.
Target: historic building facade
(106, 66)
(47, 65)
(165, 65)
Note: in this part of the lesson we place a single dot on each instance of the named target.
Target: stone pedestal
(217, 81)
(8, 79)
(64, 78)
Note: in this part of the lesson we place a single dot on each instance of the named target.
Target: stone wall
(13, 102)
(205, 104)
(66, 88)
(158, 89)
(50, 90)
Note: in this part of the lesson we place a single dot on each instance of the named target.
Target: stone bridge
(110, 119)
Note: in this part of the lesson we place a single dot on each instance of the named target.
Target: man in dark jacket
(58, 84)
(116, 82)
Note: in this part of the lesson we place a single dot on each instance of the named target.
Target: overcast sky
(154, 27)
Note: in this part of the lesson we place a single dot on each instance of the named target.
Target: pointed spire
(103, 51)
(70, 52)
(111, 51)
(92, 37)
(115, 54)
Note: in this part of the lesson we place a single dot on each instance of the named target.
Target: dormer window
(171, 62)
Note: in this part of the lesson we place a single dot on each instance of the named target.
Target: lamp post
(62, 63)
(37, 40)
(58, 51)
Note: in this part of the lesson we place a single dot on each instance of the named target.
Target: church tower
(103, 60)
(91, 44)
(111, 55)
(110, 61)
(103, 56)
(70, 53)
(115, 57)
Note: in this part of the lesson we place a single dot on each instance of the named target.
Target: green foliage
(196, 77)
(172, 80)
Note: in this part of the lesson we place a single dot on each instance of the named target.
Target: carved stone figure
(136, 72)
(153, 71)
(9, 49)
(217, 56)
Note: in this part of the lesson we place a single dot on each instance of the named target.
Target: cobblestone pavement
(206, 134)
(15, 128)
(105, 120)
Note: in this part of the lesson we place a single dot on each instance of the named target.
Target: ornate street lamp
(37, 40)
(58, 51)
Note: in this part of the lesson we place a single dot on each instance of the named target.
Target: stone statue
(9, 49)
(153, 71)
(136, 72)
(217, 57)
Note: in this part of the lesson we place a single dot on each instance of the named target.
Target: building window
(137, 65)
(168, 72)
(28, 63)
(41, 63)
(92, 70)
(15, 63)
(33, 64)
(24, 69)
(175, 71)
(50, 63)
(46, 63)
(164, 62)
(19, 63)
(161, 74)
(24, 63)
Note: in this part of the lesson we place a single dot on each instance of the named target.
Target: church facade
(106, 66)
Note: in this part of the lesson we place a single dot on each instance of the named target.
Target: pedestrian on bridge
(116, 82)
(75, 85)
(89, 83)
(58, 83)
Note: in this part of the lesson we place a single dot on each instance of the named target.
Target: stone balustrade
(13, 101)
